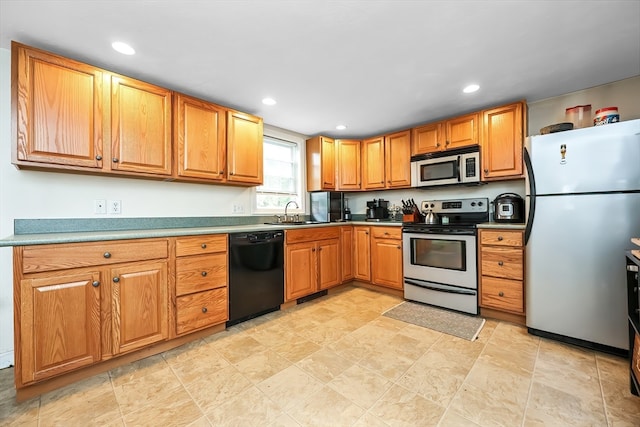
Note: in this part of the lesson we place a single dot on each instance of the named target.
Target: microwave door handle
(458, 165)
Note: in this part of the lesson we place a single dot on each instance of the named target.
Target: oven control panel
(476, 205)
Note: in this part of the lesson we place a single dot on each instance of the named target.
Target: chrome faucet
(286, 218)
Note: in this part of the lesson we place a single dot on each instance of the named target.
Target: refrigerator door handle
(532, 195)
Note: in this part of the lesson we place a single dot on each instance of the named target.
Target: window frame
(300, 141)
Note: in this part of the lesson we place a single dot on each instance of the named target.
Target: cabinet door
(59, 109)
(361, 255)
(502, 140)
(300, 267)
(386, 262)
(346, 254)
(349, 167)
(398, 159)
(200, 138)
(462, 131)
(244, 148)
(321, 163)
(140, 127)
(59, 327)
(373, 163)
(329, 274)
(139, 305)
(427, 139)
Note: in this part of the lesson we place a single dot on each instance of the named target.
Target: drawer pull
(203, 246)
(204, 273)
(107, 255)
(115, 160)
(204, 309)
(500, 294)
(95, 284)
(499, 238)
(116, 279)
(500, 263)
(98, 157)
(399, 247)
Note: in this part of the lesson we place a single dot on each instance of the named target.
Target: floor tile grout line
(604, 401)
(533, 375)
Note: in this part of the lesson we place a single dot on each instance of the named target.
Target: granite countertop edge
(502, 225)
(96, 236)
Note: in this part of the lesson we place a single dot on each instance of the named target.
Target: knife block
(414, 217)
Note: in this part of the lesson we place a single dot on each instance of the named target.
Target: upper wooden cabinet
(244, 148)
(398, 159)
(321, 164)
(387, 161)
(449, 134)
(348, 165)
(72, 116)
(373, 161)
(502, 141)
(140, 127)
(200, 138)
(58, 106)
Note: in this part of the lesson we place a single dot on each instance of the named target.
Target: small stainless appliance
(377, 210)
(508, 207)
(327, 206)
(439, 260)
(449, 167)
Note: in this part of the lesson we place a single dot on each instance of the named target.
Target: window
(282, 177)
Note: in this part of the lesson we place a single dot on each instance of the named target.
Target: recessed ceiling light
(123, 48)
(341, 127)
(269, 101)
(471, 88)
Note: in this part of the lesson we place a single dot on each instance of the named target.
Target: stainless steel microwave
(460, 166)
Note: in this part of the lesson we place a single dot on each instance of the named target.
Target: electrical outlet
(238, 209)
(115, 207)
(100, 206)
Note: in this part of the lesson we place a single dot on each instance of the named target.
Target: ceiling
(375, 66)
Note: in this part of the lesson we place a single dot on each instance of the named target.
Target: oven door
(447, 259)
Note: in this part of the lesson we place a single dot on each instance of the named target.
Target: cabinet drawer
(501, 237)
(205, 244)
(311, 234)
(387, 232)
(502, 262)
(73, 255)
(200, 272)
(201, 310)
(502, 294)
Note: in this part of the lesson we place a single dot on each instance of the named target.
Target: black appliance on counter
(256, 274)
(327, 206)
(508, 207)
(378, 210)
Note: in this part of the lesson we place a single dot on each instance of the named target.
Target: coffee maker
(377, 210)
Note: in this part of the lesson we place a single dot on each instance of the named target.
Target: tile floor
(336, 361)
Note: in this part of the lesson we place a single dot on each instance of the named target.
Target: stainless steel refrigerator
(583, 206)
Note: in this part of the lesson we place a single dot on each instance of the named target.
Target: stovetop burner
(453, 214)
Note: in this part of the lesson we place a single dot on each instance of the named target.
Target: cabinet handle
(635, 290)
(204, 273)
(500, 263)
(95, 284)
(486, 171)
(98, 158)
(203, 246)
(447, 143)
(313, 249)
(500, 294)
(231, 173)
(399, 247)
(204, 309)
(107, 255)
(499, 238)
(222, 171)
(366, 232)
(116, 279)
(437, 144)
(115, 160)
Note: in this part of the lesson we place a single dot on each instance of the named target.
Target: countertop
(145, 233)
(502, 225)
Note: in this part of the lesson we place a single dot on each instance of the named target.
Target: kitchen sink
(293, 223)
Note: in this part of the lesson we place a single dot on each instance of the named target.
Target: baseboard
(6, 359)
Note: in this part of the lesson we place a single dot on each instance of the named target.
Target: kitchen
(141, 198)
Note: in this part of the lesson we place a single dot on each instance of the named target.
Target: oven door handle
(451, 291)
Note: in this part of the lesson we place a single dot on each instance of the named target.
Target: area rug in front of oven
(445, 321)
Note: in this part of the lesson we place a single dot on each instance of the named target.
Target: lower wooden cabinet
(312, 261)
(77, 304)
(201, 282)
(346, 252)
(386, 257)
(362, 253)
(502, 270)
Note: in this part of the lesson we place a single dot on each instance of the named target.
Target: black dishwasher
(256, 274)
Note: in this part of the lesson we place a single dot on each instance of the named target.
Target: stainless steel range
(439, 260)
